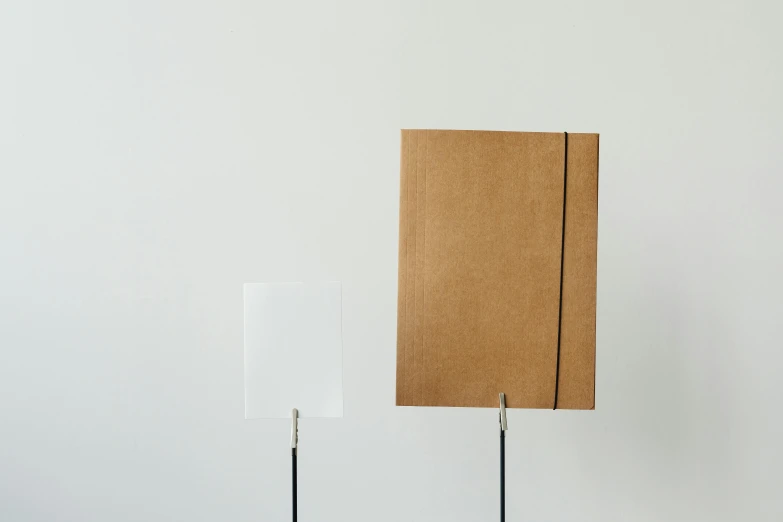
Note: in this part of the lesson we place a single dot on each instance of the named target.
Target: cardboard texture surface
(483, 255)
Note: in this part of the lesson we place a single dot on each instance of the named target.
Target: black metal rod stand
(293, 481)
(502, 476)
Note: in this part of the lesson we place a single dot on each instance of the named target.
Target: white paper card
(293, 350)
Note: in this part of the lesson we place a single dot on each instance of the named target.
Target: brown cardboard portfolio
(497, 269)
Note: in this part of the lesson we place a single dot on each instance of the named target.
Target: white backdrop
(155, 155)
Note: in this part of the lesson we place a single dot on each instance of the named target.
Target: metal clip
(294, 429)
(503, 420)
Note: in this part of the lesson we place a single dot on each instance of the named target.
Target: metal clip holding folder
(503, 420)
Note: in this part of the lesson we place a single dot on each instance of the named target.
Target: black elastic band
(562, 257)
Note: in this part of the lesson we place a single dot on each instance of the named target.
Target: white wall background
(155, 155)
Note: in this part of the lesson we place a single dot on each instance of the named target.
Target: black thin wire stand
(502, 475)
(293, 481)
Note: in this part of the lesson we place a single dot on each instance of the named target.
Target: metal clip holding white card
(294, 430)
(503, 420)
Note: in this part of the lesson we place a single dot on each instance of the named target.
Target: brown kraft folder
(497, 269)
